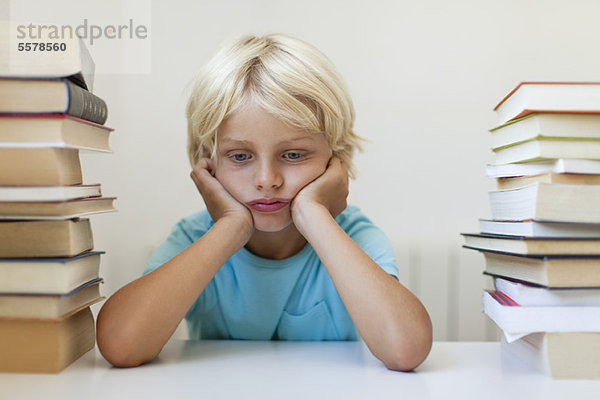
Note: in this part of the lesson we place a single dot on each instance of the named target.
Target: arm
(390, 319)
(136, 322)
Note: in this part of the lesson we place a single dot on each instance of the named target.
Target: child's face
(263, 163)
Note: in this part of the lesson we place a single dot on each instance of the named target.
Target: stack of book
(542, 245)
(49, 273)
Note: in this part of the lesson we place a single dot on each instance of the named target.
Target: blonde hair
(287, 77)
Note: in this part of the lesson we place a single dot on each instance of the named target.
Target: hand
(219, 203)
(329, 190)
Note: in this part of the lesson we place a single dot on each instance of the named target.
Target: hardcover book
(72, 59)
(547, 202)
(546, 126)
(48, 193)
(46, 346)
(39, 166)
(548, 149)
(548, 177)
(49, 306)
(527, 294)
(33, 210)
(52, 130)
(57, 275)
(562, 355)
(549, 97)
(550, 271)
(558, 166)
(41, 239)
(57, 96)
(515, 319)
(539, 229)
(532, 246)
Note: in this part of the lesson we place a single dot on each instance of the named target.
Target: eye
(240, 157)
(292, 156)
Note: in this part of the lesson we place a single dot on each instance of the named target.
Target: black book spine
(86, 105)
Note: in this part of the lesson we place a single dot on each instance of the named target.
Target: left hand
(329, 190)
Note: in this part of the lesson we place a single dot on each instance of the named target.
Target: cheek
(232, 181)
(306, 176)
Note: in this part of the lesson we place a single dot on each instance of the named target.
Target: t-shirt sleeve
(177, 241)
(183, 234)
(372, 240)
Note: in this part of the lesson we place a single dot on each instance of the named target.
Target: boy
(277, 254)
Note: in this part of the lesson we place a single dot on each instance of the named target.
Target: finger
(344, 166)
(202, 176)
(204, 163)
(337, 162)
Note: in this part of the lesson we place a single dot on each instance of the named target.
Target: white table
(298, 370)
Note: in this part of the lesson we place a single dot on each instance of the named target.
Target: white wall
(424, 76)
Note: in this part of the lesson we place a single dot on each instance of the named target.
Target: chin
(271, 223)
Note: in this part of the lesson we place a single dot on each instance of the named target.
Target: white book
(71, 59)
(549, 126)
(517, 320)
(548, 149)
(529, 295)
(557, 97)
(539, 229)
(548, 202)
(559, 166)
(48, 193)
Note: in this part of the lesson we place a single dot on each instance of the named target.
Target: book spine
(85, 105)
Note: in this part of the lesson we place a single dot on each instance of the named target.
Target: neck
(276, 245)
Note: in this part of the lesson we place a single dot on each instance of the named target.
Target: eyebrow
(245, 142)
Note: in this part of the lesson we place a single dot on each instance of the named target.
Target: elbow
(407, 359)
(119, 354)
(116, 346)
(406, 354)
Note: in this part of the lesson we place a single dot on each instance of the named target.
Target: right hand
(219, 203)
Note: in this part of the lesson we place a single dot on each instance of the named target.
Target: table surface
(298, 370)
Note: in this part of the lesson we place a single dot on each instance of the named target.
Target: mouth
(268, 205)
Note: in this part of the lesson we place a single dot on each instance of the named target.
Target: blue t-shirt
(262, 299)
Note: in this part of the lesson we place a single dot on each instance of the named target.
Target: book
(47, 346)
(58, 275)
(546, 126)
(547, 201)
(515, 319)
(550, 271)
(532, 246)
(68, 209)
(40, 166)
(60, 238)
(59, 96)
(69, 56)
(548, 177)
(549, 97)
(52, 130)
(50, 306)
(48, 193)
(539, 229)
(562, 355)
(544, 149)
(558, 166)
(527, 294)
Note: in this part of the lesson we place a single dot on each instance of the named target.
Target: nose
(268, 176)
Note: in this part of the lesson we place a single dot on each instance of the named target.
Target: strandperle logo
(85, 31)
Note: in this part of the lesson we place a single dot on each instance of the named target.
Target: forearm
(390, 319)
(136, 322)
